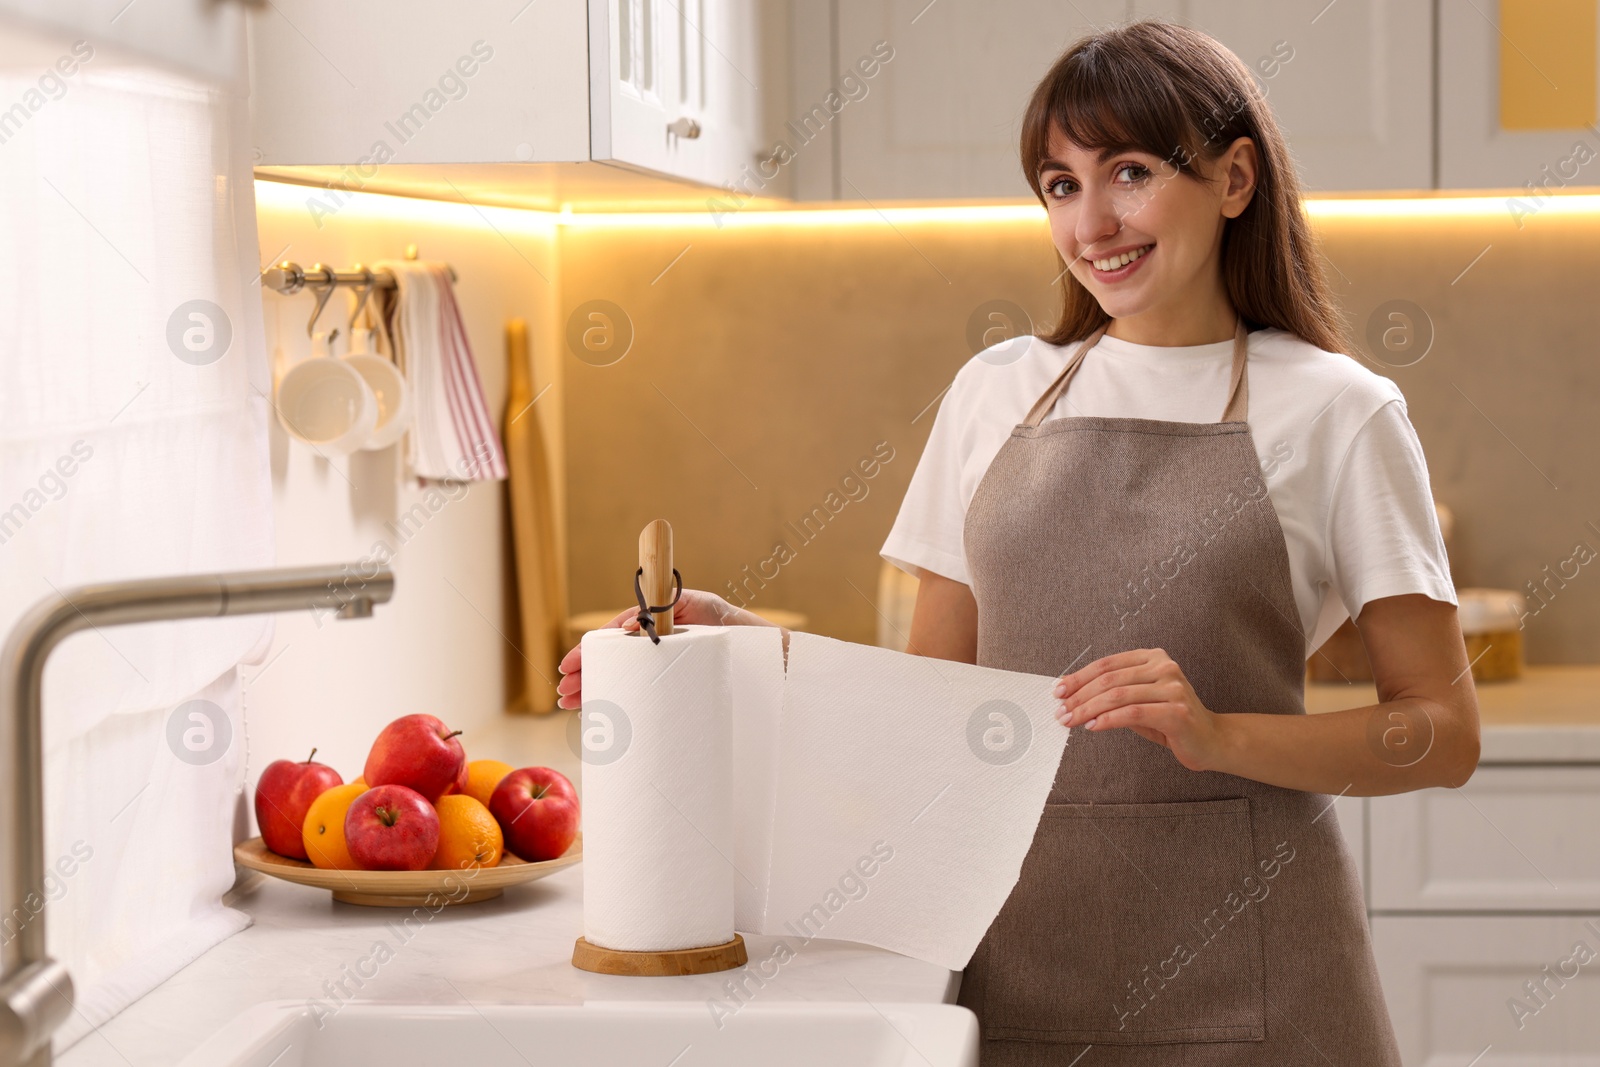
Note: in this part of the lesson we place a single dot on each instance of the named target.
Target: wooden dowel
(655, 556)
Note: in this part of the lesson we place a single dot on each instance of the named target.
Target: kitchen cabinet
(1475, 150)
(1457, 881)
(1475, 892)
(942, 116)
(669, 87)
(1487, 990)
(1350, 84)
(372, 83)
(866, 101)
(678, 87)
(1514, 838)
(1351, 87)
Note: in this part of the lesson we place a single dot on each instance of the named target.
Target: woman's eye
(1051, 188)
(1139, 169)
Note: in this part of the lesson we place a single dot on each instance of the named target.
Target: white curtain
(133, 442)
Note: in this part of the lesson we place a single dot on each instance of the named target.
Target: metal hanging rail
(289, 278)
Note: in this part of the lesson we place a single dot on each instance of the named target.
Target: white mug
(325, 402)
(388, 385)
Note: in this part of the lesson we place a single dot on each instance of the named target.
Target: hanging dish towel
(452, 437)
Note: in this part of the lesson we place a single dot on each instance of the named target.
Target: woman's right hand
(695, 607)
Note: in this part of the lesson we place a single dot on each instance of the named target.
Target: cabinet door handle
(684, 127)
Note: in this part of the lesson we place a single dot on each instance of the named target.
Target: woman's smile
(1116, 268)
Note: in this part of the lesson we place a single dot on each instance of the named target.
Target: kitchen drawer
(1513, 838)
(1458, 992)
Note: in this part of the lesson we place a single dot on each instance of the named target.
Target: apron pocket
(1131, 924)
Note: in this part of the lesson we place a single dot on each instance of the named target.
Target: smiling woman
(1191, 288)
(1167, 119)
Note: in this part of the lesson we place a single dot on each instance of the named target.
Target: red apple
(391, 828)
(283, 795)
(418, 752)
(460, 784)
(537, 809)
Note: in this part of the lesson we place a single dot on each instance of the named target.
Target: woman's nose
(1097, 218)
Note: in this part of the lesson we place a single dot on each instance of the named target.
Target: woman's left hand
(1144, 690)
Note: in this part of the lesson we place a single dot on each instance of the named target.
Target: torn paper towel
(875, 796)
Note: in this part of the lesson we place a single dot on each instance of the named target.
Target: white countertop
(514, 949)
(1549, 715)
(518, 948)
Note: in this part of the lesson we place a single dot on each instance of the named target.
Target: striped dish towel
(452, 437)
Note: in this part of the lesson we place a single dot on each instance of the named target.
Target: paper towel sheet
(757, 692)
(908, 791)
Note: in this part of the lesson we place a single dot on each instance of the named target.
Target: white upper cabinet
(1542, 134)
(671, 87)
(678, 87)
(1351, 85)
(365, 82)
(941, 116)
(871, 100)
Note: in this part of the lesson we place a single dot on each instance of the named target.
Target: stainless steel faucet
(36, 991)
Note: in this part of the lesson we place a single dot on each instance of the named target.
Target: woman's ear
(1239, 166)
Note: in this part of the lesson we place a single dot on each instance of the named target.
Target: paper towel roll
(657, 723)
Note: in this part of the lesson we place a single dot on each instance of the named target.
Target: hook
(369, 283)
(323, 290)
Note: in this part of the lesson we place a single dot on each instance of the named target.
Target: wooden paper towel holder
(656, 586)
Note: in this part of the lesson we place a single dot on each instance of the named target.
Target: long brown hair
(1176, 93)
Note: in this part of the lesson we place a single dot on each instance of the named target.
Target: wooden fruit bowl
(404, 889)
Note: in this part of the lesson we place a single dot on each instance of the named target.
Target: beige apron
(1162, 916)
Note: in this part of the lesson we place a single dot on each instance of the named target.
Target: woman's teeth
(1116, 262)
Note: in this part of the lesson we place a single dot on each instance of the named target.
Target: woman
(1187, 897)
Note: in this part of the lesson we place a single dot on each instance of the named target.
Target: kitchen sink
(596, 1034)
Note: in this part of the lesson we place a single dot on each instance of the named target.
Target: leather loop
(647, 619)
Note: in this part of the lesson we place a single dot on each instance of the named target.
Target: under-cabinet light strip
(322, 205)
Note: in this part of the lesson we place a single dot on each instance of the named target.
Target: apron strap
(1238, 387)
(1059, 386)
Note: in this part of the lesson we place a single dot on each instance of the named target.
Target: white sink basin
(597, 1034)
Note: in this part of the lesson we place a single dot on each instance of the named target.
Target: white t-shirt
(1342, 464)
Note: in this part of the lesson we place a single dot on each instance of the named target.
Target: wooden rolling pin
(541, 590)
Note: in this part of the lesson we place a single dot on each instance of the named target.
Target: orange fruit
(482, 776)
(323, 832)
(468, 835)
(360, 781)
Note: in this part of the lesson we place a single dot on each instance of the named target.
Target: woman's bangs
(1104, 109)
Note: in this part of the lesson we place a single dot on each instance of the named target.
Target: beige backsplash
(770, 362)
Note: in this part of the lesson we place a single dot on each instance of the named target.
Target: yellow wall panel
(1547, 64)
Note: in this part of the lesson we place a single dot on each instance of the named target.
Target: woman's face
(1132, 203)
